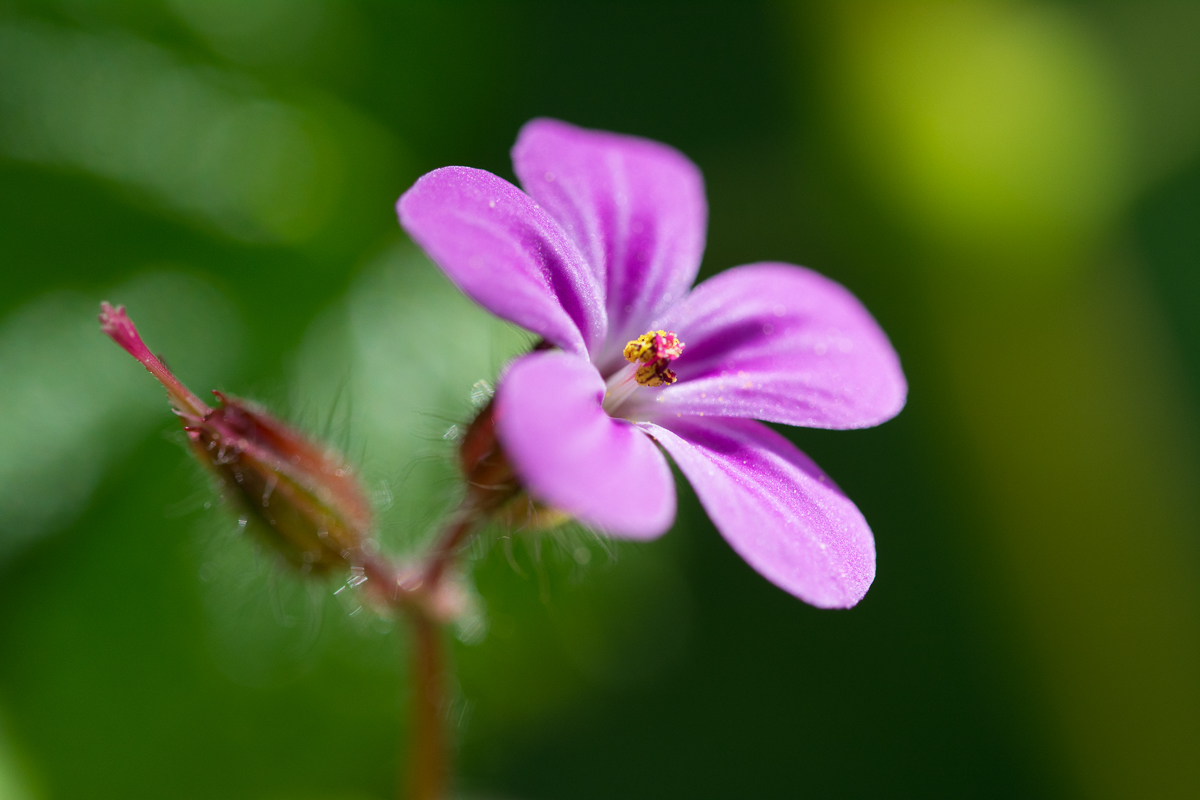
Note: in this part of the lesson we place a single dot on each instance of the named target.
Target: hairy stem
(460, 527)
(429, 766)
(490, 484)
(427, 775)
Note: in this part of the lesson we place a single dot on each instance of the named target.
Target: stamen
(649, 357)
(656, 373)
(620, 386)
(654, 346)
(654, 351)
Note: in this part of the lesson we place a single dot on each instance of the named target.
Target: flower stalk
(428, 762)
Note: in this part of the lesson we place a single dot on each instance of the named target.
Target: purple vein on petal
(775, 507)
(779, 343)
(636, 209)
(506, 253)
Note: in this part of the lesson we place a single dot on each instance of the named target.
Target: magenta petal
(635, 208)
(775, 507)
(506, 253)
(783, 344)
(571, 455)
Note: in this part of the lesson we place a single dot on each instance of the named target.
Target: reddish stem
(443, 553)
(429, 765)
(490, 484)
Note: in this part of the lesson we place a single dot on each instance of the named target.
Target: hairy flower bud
(493, 489)
(310, 504)
(490, 479)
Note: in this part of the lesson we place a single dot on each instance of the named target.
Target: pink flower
(597, 256)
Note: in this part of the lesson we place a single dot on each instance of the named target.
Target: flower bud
(310, 504)
(493, 489)
(490, 480)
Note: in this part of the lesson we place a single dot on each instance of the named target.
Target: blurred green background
(1013, 188)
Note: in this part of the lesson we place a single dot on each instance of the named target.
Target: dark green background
(958, 676)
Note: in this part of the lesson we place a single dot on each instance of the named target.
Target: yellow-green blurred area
(1013, 188)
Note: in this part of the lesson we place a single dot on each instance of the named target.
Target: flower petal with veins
(635, 208)
(506, 254)
(574, 457)
(779, 343)
(775, 507)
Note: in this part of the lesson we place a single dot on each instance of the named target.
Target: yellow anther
(649, 356)
(654, 351)
(639, 347)
(656, 373)
(654, 346)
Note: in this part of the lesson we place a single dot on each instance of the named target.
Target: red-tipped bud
(119, 327)
(311, 505)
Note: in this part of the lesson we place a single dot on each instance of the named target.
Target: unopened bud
(311, 505)
(491, 482)
(493, 489)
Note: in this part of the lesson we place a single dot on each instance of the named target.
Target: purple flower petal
(506, 253)
(571, 455)
(635, 208)
(779, 343)
(775, 507)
